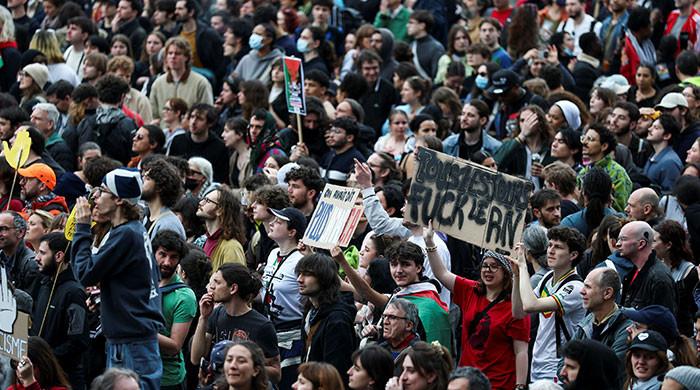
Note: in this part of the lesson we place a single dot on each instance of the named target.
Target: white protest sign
(468, 201)
(335, 218)
(14, 325)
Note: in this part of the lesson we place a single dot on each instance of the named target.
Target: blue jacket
(451, 144)
(578, 221)
(128, 276)
(622, 265)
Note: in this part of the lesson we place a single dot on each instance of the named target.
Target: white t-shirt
(576, 31)
(280, 292)
(570, 302)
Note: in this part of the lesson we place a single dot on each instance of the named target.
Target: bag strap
(172, 287)
(480, 315)
(559, 325)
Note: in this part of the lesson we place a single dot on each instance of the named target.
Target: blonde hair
(120, 63)
(8, 25)
(46, 42)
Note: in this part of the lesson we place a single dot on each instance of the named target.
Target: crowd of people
(162, 128)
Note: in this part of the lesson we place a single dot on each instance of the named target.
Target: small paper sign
(294, 85)
(335, 218)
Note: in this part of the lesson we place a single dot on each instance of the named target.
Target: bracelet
(431, 249)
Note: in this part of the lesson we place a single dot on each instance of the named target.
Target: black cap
(649, 340)
(295, 219)
(655, 317)
(502, 81)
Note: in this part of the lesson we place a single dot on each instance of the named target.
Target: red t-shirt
(490, 348)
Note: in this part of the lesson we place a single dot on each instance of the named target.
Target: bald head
(642, 204)
(635, 240)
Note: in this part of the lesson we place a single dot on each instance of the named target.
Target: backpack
(559, 326)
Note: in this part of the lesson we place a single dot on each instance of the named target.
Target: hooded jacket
(330, 335)
(692, 215)
(600, 368)
(253, 67)
(111, 129)
(389, 64)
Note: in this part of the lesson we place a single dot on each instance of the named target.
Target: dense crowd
(161, 135)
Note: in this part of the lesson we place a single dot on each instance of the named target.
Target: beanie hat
(39, 73)
(571, 113)
(687, 376)
(124, 183)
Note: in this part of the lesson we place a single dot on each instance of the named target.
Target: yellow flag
(69, 230)
(18, 154)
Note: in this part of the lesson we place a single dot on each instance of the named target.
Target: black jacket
(692, 216)
(60, 152)
(136, 33)
(331, 337)
(213, 150)
(377, 103)
(210, 47)
(112, 131)
(65, 328)
(585, 75)
(23, 270)
(653, 285)
(12, 60)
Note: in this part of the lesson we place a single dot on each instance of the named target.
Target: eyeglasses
(98, 191)
(5, 229)
(490, 267)
(206, 200)
(392, 317)
(588, 138)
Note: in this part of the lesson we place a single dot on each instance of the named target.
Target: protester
(646, 361)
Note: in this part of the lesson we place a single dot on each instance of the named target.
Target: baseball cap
(649, 340)
(218, 356)
(40, 171)
(672, 100)
(295, 219)
(617, 83)
(656, 317)
(502, 81)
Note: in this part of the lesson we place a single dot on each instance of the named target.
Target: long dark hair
(259, 382)
(597, 188)
(48, 371)
(326, 272)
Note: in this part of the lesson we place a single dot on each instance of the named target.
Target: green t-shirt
(178, 306)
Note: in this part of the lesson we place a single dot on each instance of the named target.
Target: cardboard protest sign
(468, 201)
(14, 325)
(335, 218)
(294, 85)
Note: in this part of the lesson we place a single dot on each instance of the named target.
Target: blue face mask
(255, 42)
(302, 46)
(481, 82)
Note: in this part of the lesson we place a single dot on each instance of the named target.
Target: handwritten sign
(294, 85)
(14, 325)
(468, 201)
(335, 218)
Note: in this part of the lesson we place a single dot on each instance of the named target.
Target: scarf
(645, 50)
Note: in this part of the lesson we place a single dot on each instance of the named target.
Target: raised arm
(361, 286)
(441, 272)
(530, 302)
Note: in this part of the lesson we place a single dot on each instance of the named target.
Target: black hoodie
(330, 336)
(600, 367)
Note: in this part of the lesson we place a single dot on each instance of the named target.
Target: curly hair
(166, 178)
(95, 169)
(271, 196)
(231, 217)
(310, 177)
(572, 237)
(197, 268)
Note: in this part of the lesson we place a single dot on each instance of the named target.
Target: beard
(166, 272)
(471, 130)
(148, 195)
(49, 269)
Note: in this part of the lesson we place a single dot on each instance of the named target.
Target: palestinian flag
(432, 311)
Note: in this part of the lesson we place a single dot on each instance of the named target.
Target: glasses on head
(206, 200)
(5, 229)
(392, 317)
(490, 267)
